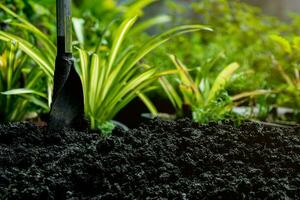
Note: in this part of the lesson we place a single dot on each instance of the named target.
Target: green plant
(96, 22)
(42, 50)
(107, 10)
(113, 77)
(38, 71)
(106, 128)
(17, 77)
(286, 56)
(241, 32)
(204, 95)
(37, 12)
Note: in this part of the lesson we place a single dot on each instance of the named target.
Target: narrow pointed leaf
(221, 80)
(21, 91)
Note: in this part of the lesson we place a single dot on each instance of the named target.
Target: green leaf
(159, 40)
(248, 94)
(50, 48)
(148, 103)
(84, 74)
(118, 39)
(188, 87)
(221, 80)
(28, 26)
(11, 63)
(282, 42)
(21, 91)
(94, 78)
(149, 23)
(31, 51)
(296, 43)
(171, 93)
(37, 102)
(130, 86)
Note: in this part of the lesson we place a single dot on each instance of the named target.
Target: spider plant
(205, 95)
(16, 75)
(42, 52)
(113, 76)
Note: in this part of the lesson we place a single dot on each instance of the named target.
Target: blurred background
(278, 8)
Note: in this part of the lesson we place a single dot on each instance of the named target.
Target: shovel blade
(67, 109)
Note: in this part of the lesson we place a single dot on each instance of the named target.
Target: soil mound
(160, 160)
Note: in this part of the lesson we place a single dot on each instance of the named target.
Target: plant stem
(93, 123)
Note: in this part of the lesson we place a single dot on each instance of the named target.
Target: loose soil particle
(160, 160)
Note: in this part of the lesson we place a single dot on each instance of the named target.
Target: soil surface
(160, 160)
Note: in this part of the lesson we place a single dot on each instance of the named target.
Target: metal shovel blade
(67, 109)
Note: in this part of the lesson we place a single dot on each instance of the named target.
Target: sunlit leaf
(221, 80)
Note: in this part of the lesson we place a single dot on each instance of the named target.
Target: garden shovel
(67, 109)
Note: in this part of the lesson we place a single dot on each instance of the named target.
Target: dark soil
(160, 160)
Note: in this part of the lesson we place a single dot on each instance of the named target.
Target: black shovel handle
(64, 26)
(64, 45)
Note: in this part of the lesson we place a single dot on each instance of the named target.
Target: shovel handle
(68, 26)
(60, 18)
(64, 26)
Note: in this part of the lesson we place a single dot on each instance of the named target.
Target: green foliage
(198, 92)
(112, 75)
(115, 66)
(112, 78)
(286, 56)
(45, 58)
(215, 110)
(39, 13)
(206, 96)
(23, 82)
(108, 10)
(106, 128)
(240, 32)
(16, 73)
(96, 22)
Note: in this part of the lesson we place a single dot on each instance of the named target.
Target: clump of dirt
(159, 160)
